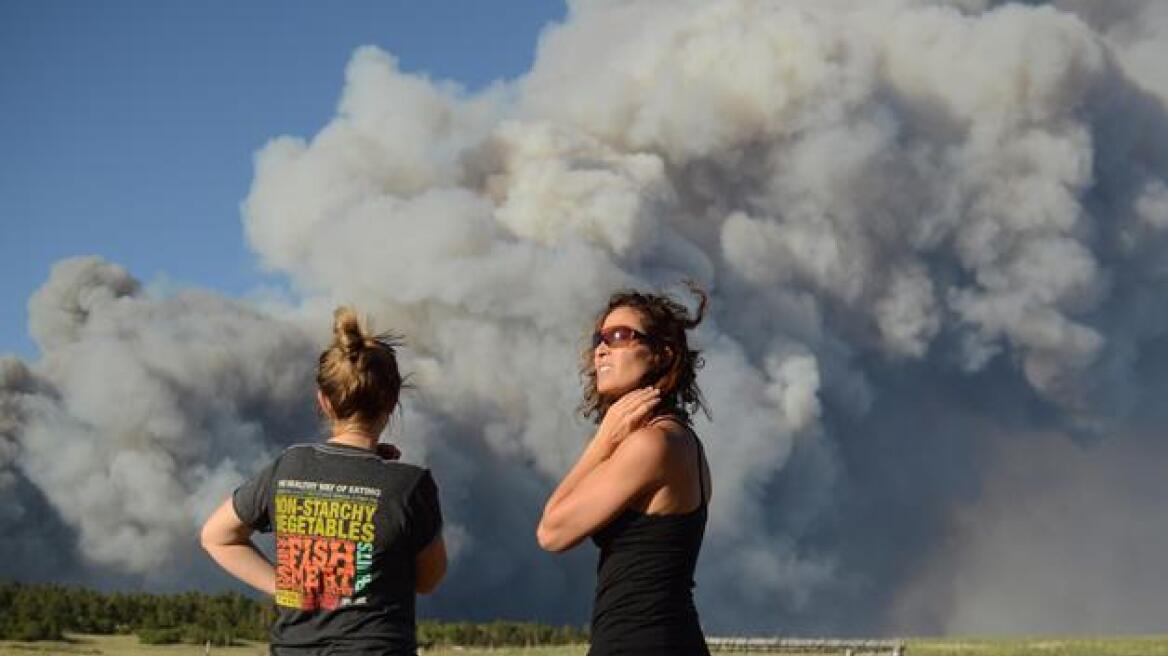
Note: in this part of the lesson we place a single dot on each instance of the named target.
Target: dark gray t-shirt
(348, 526)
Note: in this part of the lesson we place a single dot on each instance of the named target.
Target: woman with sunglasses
(357, 534)
(641, 486)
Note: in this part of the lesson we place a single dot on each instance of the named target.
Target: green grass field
(84, 645)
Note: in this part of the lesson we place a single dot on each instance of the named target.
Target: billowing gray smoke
(935, 236)
(140, 414)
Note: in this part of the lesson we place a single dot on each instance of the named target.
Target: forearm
(594, 454)
(246, 563)
(621, 419)
(553, 532)
(572, 512)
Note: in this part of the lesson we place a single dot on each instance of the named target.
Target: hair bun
(347, 332)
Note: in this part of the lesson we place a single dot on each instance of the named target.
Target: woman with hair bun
(641, 487)
(358, 535)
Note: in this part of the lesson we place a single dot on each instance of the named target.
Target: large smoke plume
(935, 236)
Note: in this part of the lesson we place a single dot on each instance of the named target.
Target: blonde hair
(358, 372)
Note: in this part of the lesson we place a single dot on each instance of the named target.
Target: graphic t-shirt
(348, 526)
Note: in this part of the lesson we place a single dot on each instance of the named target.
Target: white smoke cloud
(922, 224)
(1134, 32)
(150, 408)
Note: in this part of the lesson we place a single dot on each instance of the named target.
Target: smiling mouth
(604, 368)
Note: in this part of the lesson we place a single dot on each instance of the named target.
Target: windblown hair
(358, 372)
(666, 322)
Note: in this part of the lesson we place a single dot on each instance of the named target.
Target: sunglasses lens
(619, 336)
(616, 337)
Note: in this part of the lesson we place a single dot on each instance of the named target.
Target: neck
(355, 438)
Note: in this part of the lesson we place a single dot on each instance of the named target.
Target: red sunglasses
(618, 336)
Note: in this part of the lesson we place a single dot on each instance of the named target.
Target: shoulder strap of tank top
(701, 451)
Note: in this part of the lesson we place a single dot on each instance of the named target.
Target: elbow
(550, 540)
(206, 538)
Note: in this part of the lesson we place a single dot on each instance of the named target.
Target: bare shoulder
(677, 434)
(648, 443)
(680, 439)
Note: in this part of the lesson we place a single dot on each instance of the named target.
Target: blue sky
(127, 128)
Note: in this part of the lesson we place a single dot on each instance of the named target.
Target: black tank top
(644, 588)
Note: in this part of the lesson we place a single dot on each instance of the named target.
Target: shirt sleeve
(423, 513)
(252, 499)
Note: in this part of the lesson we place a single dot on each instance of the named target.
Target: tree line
(46, 612)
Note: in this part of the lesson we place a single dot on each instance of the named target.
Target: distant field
(1047, 646)
(117, 645)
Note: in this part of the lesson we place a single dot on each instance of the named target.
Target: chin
(614, 392)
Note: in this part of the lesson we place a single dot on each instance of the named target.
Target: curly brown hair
(666, 322)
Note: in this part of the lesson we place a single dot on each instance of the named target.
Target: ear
(661, 360)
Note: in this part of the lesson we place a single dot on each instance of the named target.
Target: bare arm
(228, 540)
(430, 564)
(634, 468)
(625, 416)
(597, 451)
